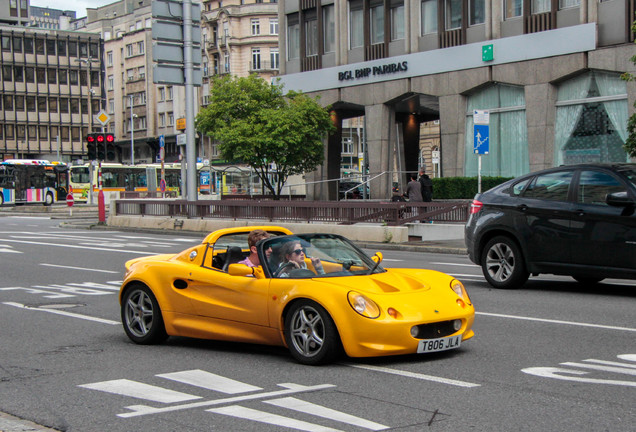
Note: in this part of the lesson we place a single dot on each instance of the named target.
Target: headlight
(363, 305)
(459, 289)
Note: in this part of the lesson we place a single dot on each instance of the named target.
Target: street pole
(191, 174)
(101, 205)
(132, 133)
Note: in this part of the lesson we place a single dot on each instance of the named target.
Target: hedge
(463, 187)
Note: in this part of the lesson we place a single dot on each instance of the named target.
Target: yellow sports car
(316, 294)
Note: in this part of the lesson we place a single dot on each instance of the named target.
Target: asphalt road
(551, 356)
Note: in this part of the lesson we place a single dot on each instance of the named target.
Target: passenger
(294, 258)
(252, 238)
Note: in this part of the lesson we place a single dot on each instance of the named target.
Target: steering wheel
(288, 264)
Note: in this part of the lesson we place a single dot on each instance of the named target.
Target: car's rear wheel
(311, 334)
(141, 316)
(502, 263)
(587, 280)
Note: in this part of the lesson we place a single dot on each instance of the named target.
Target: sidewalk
(85, 217)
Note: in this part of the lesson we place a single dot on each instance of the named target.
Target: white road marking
(78, 268)
(609, 363)
(59, 312)
(456, 264)
(210, 381)
(324, 412)
(468, 275)
(622, 370)
(415, 375)
(136, 389)
(551, 321)
(7, 250)
(273, 419)
(392, 260)
(140, 410)
(101, 249)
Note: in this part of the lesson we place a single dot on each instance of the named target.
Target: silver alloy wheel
(139, 313)
(307, 331)
(500, 262)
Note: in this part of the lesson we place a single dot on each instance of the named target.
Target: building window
(591, 119)
(356, 24)
(514, 8)
(565, 4)
(52, 75)
(7, 73)
(109, 58)
(61, 48)
(273, 26)
(226, 61)
(111, 82)
(256, 26)
(142, 97)
(162, 94)
(311, 34)
(274, 58)
(540, 6)
(169, 93)
(162, 119)
(18, 74)
(477, 12)
(6, 43)
(141, 72)
(377, 23)
(19, 103)
(17, 44)
(452, 14)
(256, 58)
(129, 50)
(42, 104)
(75, 106)
(397, 22)
(29, 74)
(170, 119)
(41, 75)
(329, 28)
(141, 47)
(30, 103)
(8, 102)
(293, 37)
(111, 106)
(508, 140)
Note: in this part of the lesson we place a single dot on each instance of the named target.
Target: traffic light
(100, 141)
(91, 146)
(111, 153)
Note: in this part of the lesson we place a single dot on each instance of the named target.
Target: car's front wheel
(141, 316)
(502, 263)
(311, 334)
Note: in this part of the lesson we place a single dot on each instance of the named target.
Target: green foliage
(463, 187)
(256, 123)
(630, 142)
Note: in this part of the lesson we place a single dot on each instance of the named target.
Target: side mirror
(377, 258)
(619, 199)
(243, 270)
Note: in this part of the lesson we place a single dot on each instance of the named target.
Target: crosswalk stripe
(210, 381)
(320, 411)
(273, 419)
(136, 389)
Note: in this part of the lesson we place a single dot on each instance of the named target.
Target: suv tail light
(475, 206)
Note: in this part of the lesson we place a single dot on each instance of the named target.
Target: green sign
(487, 53)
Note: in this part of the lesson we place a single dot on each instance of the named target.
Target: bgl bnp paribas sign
(368, 71)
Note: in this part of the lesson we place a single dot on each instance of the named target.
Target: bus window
(80, 175)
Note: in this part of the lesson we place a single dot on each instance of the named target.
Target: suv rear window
(551, 187)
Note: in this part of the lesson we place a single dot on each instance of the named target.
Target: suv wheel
(502, 263)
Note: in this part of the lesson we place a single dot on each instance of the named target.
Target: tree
(257, 124)
(630, 142)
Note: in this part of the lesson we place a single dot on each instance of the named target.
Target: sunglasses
(298, 251)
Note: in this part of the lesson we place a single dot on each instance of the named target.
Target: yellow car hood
(392, 281)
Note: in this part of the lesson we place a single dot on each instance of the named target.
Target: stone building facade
(547, 71)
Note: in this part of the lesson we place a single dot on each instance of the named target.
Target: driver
(294, 258)
(254, 237)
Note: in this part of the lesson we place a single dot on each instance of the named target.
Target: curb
(9, 423)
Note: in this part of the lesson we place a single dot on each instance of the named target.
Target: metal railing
(339, 212)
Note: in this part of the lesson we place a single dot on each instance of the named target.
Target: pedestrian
(426, 185)
(414, 193)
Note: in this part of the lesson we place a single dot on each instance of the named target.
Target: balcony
(263, 66)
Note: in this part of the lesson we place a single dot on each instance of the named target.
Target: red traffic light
(110, 137)
(100, 138)
(90, 138)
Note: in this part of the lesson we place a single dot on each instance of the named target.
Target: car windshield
(314, 255)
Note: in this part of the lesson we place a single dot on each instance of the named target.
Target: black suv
(576, 220)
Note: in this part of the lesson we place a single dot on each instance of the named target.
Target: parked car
(576, 220)
(316, 294)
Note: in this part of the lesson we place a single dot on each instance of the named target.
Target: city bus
(26, 181)
(117, 178)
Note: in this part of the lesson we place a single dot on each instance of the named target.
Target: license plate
(441, 344)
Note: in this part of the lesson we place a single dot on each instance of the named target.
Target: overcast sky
(79, 6)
